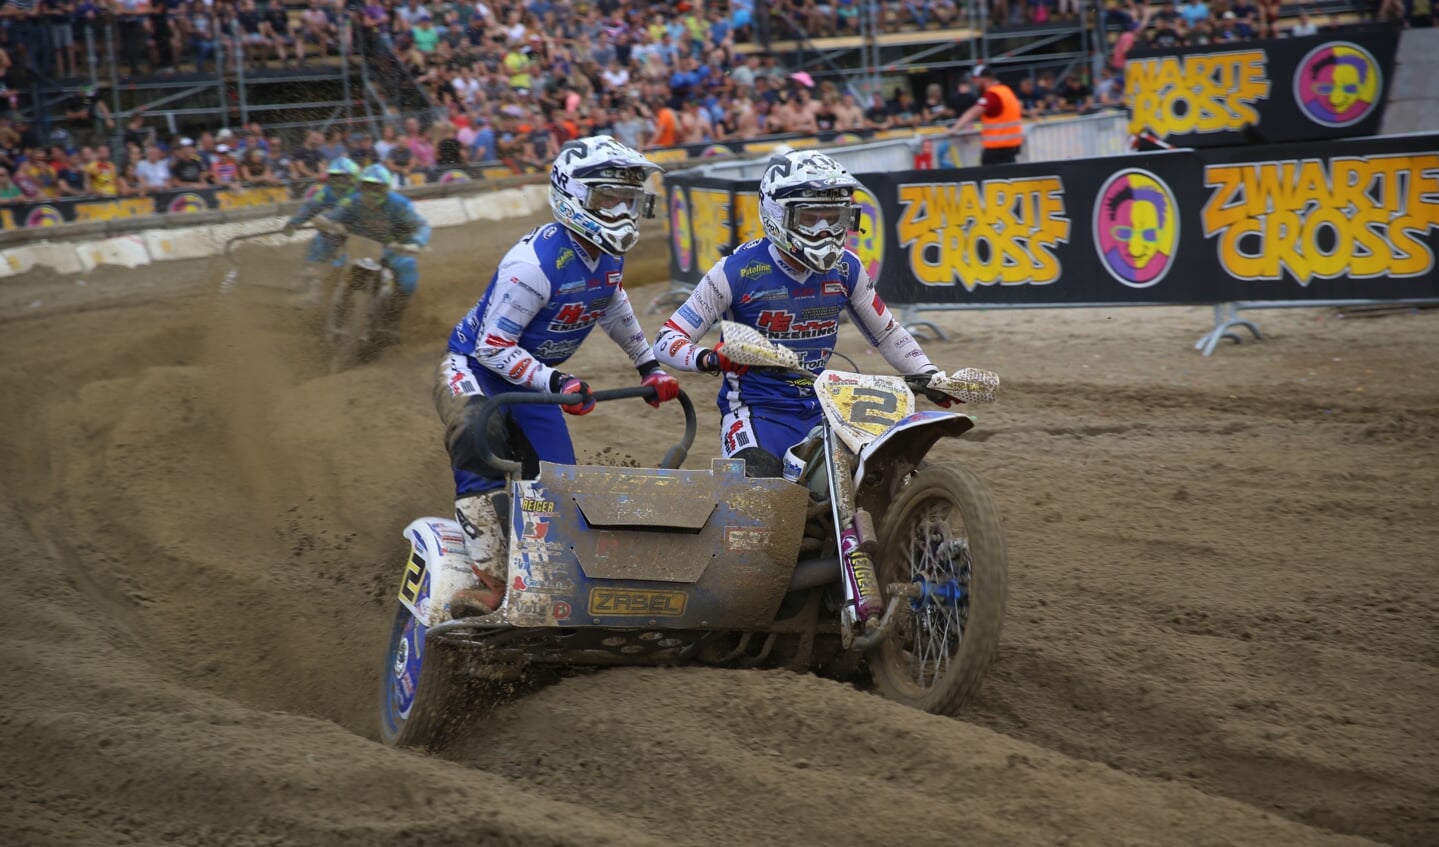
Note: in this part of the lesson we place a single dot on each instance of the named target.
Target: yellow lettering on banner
(496, 173)
(709, 223)
(746, 217)
(113, 209)
(7, 218)
(670, 154)
(792, 143)
(248, 197)
(1001, 231)
(1211, 92)
(1360, 217)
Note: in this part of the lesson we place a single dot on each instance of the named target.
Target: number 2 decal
(873, 407)
(414, 576)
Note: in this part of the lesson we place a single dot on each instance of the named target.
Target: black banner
(52, 212)
(58, 211)
(1333, 85)
(1281, 222)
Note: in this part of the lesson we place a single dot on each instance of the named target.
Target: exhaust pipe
(812, 573)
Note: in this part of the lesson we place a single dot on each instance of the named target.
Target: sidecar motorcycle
(862, 554)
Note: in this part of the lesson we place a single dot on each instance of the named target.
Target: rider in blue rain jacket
(376, 212)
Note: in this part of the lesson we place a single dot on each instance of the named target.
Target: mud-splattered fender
(910, 439)
(437, 568)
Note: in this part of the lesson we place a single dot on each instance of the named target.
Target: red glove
(575, 385)
(715, 361)
(666, 387)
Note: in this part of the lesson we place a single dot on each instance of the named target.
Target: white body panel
(438, 549)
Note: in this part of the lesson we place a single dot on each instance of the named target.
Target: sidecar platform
(631, 548)
(641, 566)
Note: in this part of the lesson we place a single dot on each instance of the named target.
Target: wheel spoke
(936, 556)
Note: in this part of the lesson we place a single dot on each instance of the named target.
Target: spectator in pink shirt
(419, 143)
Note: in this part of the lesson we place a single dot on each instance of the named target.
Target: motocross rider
(791, 286)
(376, 212)
(548, 293)
(339, 182)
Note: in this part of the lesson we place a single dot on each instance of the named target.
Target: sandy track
(1224, 620)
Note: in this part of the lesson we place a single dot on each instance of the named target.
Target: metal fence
(1083, 137)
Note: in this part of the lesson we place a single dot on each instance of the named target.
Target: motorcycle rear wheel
(424, 716)
(942, 529)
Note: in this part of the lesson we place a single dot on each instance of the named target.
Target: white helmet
(806, 205)
(597, 189)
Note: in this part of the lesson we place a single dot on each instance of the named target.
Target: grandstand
(509, 80)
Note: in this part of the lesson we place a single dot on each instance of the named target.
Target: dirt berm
(1223, 629)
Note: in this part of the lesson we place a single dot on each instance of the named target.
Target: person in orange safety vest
(998, 109)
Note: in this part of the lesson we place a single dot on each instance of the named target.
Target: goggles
(1129, 233)
(609, 200)
(815, 220)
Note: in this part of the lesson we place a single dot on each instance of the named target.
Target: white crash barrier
(16, 261)
(498, 205)
(59, 255)
(447, 211)
(538, 197)
(127, 251)
(183, 243)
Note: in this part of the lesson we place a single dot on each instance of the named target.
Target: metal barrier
(1083, 137)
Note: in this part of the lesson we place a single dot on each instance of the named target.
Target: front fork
(863, 601)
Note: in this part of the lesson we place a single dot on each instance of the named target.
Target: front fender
(910, 439)
(438, 567)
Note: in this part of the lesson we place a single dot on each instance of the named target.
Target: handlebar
(230, 245)
(488, 461)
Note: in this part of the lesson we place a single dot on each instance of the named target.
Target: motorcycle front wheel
(943, 535)
(350, 322)
(422, 688)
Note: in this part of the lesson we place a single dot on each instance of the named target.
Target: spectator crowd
(510, 81)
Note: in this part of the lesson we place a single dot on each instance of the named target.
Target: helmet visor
(613, 201)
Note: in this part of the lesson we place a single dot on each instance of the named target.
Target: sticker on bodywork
(637, 602)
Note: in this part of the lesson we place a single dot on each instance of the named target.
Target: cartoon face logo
(1338, 84)
(847, 138)
(454, 176)
(187, 202)
(868, 242)
(680, 228)
(716, 150)
(1136, 227)
(46, 215)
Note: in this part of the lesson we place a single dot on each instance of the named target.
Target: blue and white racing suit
(394, 221)
(544, 299)
(799, 309)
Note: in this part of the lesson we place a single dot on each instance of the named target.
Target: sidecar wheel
(942, 530)
(422, 691)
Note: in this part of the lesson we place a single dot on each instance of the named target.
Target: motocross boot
(485, 543)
